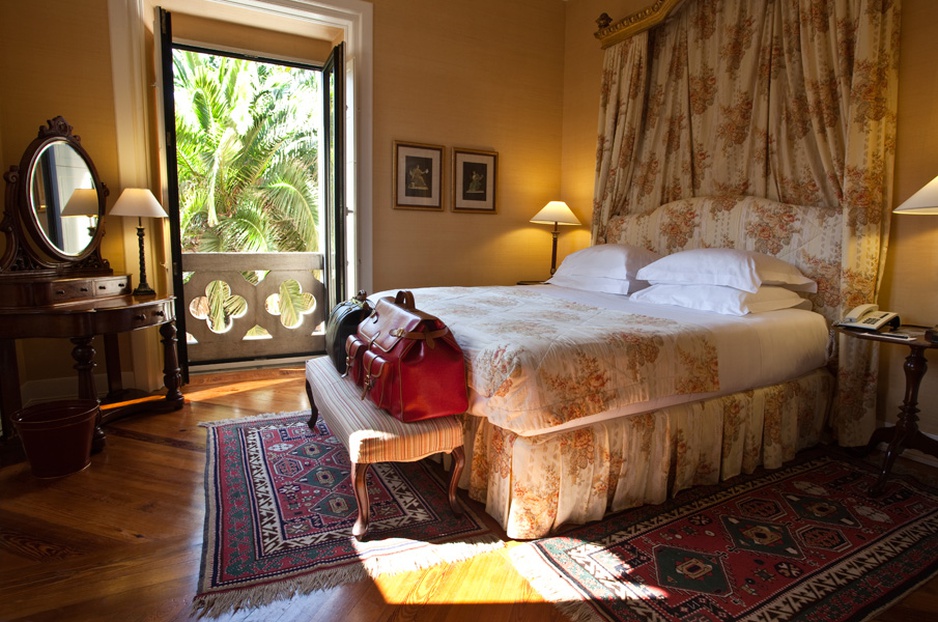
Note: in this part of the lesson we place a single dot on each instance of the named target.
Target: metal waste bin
(57, 435)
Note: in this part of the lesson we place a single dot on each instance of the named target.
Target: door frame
(129, 22)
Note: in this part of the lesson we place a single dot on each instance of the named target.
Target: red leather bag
(408, 361)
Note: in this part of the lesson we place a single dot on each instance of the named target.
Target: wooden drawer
(18, 293)
(123, 319)
(64, 290)
(112, 285)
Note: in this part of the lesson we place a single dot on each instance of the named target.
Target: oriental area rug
(280, 508)
(802, 543)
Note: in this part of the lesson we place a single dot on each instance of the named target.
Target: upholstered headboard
(808, 237)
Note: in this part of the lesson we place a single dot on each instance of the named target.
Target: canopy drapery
(791, 100)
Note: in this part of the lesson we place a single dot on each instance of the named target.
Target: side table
(906, 433)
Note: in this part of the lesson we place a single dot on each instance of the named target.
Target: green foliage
(291, 303)
(247, 149)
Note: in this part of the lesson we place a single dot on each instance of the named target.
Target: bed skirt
(532, 485)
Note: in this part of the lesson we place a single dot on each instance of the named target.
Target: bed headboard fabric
(807, 237)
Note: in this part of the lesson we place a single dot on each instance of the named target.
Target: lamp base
(932, 334)
(553, 250)
(143, 289)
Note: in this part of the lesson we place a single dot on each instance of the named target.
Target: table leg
(112, 359)
(10, 400)
(906, 432)
(172, 376)
(83, 354)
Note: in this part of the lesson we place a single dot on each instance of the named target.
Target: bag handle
(405, 298)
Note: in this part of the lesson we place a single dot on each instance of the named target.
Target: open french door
(333, 218)
(333, 92)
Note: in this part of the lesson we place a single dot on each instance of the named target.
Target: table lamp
(141, 203)
(83, 202)
(555, 213)
(923, 203)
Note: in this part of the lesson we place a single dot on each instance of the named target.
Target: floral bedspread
(536, 361)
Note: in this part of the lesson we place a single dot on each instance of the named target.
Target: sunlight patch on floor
(231, 389)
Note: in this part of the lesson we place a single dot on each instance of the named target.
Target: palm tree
(247, 153)
(247, 149)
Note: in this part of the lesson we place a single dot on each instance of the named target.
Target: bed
(584, 402)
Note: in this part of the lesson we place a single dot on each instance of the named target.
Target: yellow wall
(487, 75)
(520, 78)
(55, 60)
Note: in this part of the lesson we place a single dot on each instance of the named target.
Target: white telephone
(869, 317)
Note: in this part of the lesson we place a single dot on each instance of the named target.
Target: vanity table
(80, 323)
(55, 284)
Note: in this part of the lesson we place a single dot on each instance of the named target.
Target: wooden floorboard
(122, 539)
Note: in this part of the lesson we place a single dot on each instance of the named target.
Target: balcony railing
(243, 306)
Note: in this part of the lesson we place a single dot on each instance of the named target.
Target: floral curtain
(791, 100)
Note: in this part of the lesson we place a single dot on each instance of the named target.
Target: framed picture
(418, 176)
(474, 177)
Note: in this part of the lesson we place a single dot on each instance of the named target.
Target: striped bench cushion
(370, 434)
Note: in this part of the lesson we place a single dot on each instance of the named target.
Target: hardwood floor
(122, 539)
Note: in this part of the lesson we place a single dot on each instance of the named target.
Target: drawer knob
(140, 316)
(60, 292)
(159, 314)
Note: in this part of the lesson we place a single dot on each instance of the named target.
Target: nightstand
(905, 434)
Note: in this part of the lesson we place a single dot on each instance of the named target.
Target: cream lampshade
(923, 202)
(83, 202)
(555, 213)
(141, 203)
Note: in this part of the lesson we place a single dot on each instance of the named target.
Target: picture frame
(475, 176)
(418, 176)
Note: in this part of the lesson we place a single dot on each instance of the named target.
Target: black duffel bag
(343, 321)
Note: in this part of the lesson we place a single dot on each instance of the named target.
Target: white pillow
(722, 299)
(745, 270)
(607, 268)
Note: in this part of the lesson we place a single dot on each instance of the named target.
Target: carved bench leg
(459, 457)
(314, 414)
(359, 471)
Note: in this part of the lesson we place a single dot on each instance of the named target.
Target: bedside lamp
(923, 203)
(141, 203)
(555, 213)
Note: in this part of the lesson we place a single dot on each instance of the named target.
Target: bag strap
(427, 334)
(370, 376)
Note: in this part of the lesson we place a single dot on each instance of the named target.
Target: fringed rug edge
(215, 604)
(552, 588)
(254, 418)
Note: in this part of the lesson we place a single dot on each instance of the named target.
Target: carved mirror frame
(30, 249)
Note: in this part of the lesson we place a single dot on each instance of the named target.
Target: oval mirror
(64, 201)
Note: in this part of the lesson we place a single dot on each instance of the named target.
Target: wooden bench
(371, 435)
